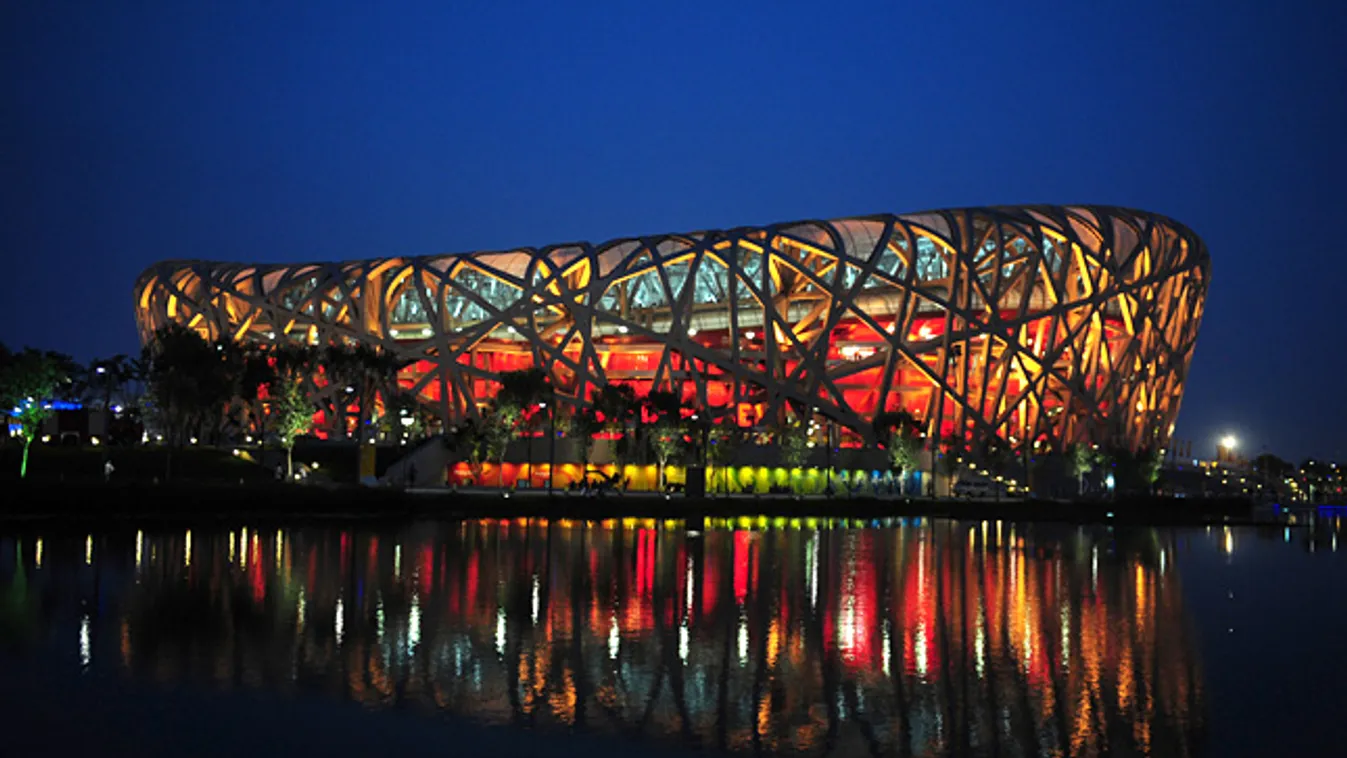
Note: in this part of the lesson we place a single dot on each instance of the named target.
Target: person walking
(108, 468)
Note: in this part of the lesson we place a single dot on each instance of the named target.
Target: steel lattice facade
(1053, 324)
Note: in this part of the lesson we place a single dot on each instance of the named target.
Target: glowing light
(340, 624)
(38, 557)
(397, 561)
(1229, 442)
(187, 549)
(140, 539)
(614, 639)
(683, 642)
(89, 550)
(692, 332)
(750, 334)
(536, 599)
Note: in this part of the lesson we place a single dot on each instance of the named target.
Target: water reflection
(915, 638)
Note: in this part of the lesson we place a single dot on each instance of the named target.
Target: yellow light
(1229, 441)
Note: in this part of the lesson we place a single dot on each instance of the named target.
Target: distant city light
(1229, 441)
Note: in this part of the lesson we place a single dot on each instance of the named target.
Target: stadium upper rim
(1057, 216)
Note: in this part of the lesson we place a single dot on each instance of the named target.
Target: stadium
(1051, 324)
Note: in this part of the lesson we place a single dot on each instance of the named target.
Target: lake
(745, 636)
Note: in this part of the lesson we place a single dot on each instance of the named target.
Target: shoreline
(202, 502)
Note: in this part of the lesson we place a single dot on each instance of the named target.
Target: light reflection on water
(915, 638)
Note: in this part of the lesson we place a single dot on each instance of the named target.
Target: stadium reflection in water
(908, 638)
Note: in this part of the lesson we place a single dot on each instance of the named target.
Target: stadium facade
(1044, 323)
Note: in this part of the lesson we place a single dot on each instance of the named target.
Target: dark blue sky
(136, 131)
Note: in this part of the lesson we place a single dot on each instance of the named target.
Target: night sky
(136, 131)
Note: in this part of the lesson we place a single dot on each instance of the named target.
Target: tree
(1083, 460)
(724, 440)
(369, 371)
(496, 432)
(182, 381)
(955, 447)
(406, 417)
(996, 456)
(904, 456)
(663, 404)
(666, 441)
(900, 434)
(292, 414)
(617, 406)
(583, 424)
(104, 377)
(792, 440)
(28, 381)
(526, 390)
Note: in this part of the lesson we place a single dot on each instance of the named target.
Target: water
(911, 637)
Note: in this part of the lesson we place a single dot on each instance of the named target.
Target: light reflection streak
(414, 624)
(89, 550)
(500, 631)
(86, 650)
(743, 639)
(893, 624)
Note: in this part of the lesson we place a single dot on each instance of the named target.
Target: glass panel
(931, 263)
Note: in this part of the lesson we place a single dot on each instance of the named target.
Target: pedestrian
(108, 468)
